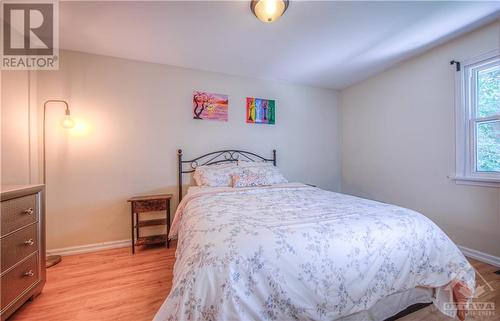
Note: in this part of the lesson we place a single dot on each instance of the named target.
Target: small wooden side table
(149, 203)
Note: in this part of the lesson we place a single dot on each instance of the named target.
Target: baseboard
(474, 254)
(480, 256)
(89, 248)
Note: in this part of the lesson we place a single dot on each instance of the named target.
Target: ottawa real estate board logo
(30, 35)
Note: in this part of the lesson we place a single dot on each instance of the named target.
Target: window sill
(476, 181)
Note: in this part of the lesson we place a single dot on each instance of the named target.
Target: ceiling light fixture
(269, 10)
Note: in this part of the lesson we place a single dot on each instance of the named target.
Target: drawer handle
(29, 242)
(29, 273)
(29, 211)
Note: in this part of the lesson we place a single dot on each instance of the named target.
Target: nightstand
(149, 203)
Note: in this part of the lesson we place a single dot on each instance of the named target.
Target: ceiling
(317, 43)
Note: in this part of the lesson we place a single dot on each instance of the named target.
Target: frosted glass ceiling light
(268, 10)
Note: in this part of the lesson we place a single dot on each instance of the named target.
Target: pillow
(244, 163)
(257, 176)
(215, 175)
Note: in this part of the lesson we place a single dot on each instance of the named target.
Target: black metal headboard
(222, 156)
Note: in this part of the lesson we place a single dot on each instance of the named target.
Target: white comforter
(294, 252)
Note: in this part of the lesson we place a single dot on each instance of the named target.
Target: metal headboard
(219, 157)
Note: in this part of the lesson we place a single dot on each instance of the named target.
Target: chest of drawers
(22, 243)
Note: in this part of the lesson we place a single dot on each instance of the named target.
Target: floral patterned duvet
(294, 252)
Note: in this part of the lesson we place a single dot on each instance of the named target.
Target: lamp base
(52, 260)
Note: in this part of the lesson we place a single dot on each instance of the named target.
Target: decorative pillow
(215, 175)
(257, 176)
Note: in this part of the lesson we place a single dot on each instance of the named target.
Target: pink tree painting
(210, 106)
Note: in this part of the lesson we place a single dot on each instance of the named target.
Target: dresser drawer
(19, 279)
(18, 245)
(18, 212)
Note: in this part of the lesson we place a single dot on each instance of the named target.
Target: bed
(295, 252)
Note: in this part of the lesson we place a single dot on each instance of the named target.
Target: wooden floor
(108, 285)
(115, 285)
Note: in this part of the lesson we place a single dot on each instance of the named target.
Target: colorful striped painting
(261, 111)
(210, 106)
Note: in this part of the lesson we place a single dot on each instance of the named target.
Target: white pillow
(215, 175)
(257, 176)
(244, 163)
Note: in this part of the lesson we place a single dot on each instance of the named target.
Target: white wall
(398, 143)
(138, 114)
(18, 141)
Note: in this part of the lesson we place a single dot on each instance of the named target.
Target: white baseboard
(89, 248)
(477, 255)
(480, 256)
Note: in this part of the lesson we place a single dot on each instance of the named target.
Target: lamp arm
(67, 111)
(56, 101)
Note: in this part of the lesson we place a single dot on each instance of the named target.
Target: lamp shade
(268, 10)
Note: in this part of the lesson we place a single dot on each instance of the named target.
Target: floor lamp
(67, 122)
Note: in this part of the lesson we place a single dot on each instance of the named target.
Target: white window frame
(466, 121)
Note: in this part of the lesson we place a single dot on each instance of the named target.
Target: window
(478, 121)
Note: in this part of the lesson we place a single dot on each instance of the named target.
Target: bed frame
(218, 157)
